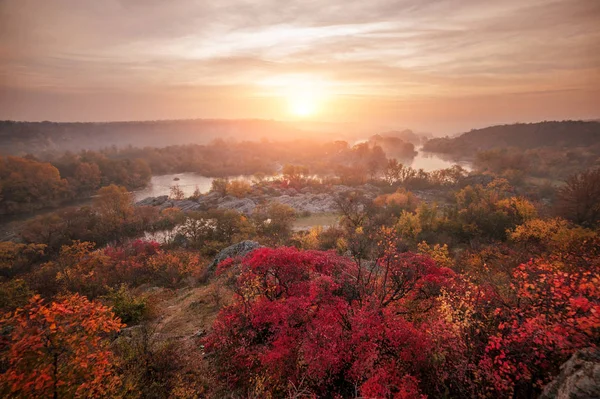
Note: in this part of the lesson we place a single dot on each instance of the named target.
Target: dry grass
(188, 310)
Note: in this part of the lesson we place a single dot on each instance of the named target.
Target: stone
(153, 201)
(579, 377)
(242, 205)
(240, 249)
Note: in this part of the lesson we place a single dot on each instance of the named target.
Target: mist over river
(188, 182)
(429, 161)
(161, 185)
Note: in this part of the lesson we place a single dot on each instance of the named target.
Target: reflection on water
(429, 162)
(161, 185)
(188, 182)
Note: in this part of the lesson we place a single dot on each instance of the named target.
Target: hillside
(20, 138)
(564, 134)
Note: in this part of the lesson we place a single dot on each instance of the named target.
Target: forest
(34, 182)
(543, 149)
(441, 284)
(21, 138)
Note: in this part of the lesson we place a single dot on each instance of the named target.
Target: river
(161, 185)
(429, 161)
(188, 182)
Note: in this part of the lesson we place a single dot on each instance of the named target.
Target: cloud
(404, 49)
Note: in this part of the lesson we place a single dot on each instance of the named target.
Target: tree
(115, 208)
(28, 185)
(239, 188)
(59, 350)
(219, 186)
(294, 175)
(86, 178)
(274, 222)
(176, 193)
(18, 258)
(579, 199)
(392, 171)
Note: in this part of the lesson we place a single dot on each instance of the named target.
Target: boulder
(236, 250)
(579, 377)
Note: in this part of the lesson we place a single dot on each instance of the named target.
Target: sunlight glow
(305, 95)
(303, 104)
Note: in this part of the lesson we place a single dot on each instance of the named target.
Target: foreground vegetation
(442, 284)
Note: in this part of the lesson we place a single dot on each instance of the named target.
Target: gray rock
(242, 205)
(313, 203)
(236, 250)
(153, 201)
(579, 377)
(200, 333)
(186, 205)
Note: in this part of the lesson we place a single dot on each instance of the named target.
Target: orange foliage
(59, 350)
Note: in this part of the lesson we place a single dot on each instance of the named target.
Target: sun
(305, 95)
(303, 104)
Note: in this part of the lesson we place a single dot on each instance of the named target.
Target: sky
(439, 66)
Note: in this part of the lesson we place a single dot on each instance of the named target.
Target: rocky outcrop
(153, 201)
(579, 377)
(313, 203)
(236, 250)
(306, 200)
(164, 202)
(242, 205)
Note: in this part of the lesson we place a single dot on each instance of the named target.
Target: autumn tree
(213, 230)
(294, 175)
(18, 258)
(59, 350)
(274, 222)
(176, 193)
(239, 188)
(28, 185)
(86, 178)
(219, 186)
(579, 199)
(115, 207)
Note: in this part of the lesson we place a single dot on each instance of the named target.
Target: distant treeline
(545, 149)
(30, 183)
(21, 138)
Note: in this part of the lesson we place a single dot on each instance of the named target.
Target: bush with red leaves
(312, 322)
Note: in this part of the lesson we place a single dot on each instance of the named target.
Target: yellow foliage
(310, 240)
(239, 188)
(556, 233)
(439, 253)
(401, 198)
(408, 225)
(519, 206)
